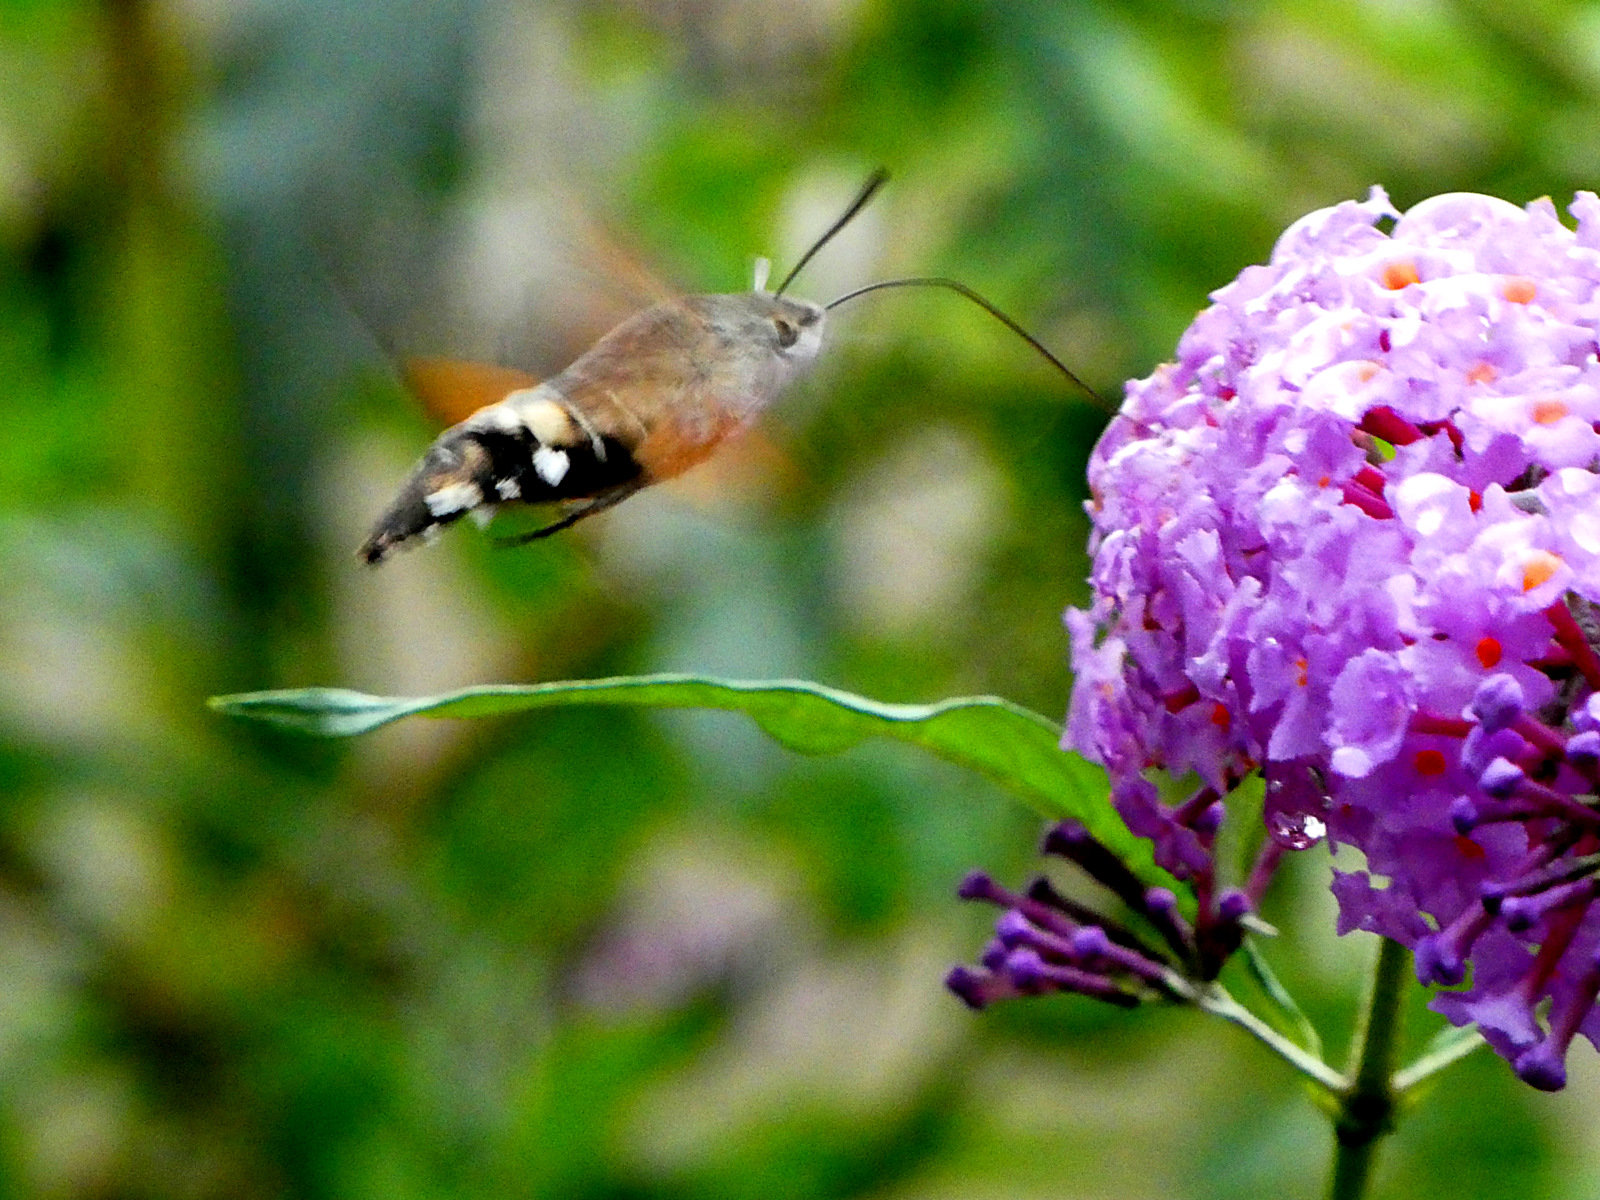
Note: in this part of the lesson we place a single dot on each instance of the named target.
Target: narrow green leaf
(1017, 748)
(1289, 1012)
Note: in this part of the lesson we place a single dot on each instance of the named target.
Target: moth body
(652, 398)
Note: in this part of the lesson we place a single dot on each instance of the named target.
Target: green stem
(1214, 999)
(1366, 1104)
(1450, 1046)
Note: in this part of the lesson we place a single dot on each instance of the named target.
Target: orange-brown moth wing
(452, 389)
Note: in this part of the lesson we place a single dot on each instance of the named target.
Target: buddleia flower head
(1350, 539)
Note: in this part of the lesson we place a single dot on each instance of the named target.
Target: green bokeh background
(618, 955)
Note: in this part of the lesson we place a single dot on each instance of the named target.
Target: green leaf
(1289, 1012)
(1017, 748)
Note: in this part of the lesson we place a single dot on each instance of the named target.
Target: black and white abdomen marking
(529, 448)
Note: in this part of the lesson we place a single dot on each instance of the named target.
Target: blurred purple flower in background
(1351, 539)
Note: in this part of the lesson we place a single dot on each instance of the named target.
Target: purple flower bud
(1160, 906)
(995, 953)
(1463, 815)
(1233, 905)
(1067, 838)
(1073, 842)
(1013, 929)
(1047, 943)
(1520, 912)
(977, 886)
(1497, 702)
(1210, 819)
(1027, 969)
(1160, 902)
(1583, 750)
(1091, 942)
(1501, 779)
(1586, 716)
(1480, 749)
(975, 989)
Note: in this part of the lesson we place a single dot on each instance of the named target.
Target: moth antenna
(874, 181)
(761, 274)
(962, 289)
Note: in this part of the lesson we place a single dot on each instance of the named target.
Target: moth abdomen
(508, 453)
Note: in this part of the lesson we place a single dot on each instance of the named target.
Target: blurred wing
(451, 390)
(524, 277)
(628, 281)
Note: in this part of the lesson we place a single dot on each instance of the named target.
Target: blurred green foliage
(591, 954)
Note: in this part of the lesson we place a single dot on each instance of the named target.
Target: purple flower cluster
(1350, 539)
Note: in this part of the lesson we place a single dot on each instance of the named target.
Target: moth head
(796, 327)
(780, 332)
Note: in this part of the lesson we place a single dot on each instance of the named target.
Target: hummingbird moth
(653, 397)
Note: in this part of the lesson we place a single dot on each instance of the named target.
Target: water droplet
(1296, 831)
(1295, 806)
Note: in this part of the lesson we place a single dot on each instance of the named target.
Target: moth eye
(788, 335)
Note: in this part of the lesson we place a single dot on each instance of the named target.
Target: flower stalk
(1366, 1103)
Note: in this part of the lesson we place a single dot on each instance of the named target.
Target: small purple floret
(976, 886)
(1234, 905)
(1013, 929)
(1463, 815)
(1541, 1067)
(1520, 912)
(1210, 819)
(1497, 702)
(1026, 968)
(975, 990)
(1437, 962)
(1091, 941)
(1583, 750)
(1501, 779)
